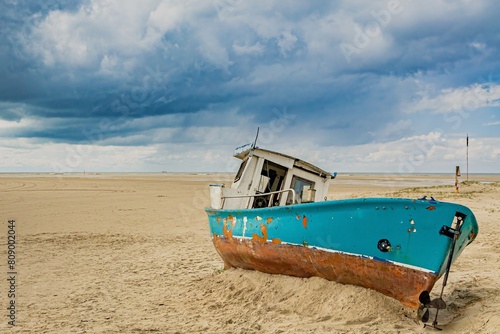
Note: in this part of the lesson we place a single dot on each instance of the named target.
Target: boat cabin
(266, 178)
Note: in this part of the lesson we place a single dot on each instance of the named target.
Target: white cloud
(10, 128)
(167, 16)
(108, 65)
(467, 98)
(25, 155)
(433, 152)
(7, 127)
(213, 49)
(111, 35)
(100, 28)
(246, 49)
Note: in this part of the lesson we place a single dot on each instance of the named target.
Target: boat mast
(256, 137)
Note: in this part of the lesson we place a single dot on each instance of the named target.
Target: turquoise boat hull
(392, 245)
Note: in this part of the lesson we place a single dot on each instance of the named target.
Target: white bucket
(308, 195)
(216, 196)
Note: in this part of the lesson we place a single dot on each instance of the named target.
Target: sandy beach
(113, 253)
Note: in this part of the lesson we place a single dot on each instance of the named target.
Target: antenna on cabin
(254, 145)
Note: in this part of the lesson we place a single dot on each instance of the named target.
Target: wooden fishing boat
(275, 218)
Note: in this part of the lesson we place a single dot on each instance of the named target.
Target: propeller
(424, 297)
(437, 303)
(425, 316)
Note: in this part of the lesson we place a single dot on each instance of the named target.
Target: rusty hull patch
(227, 232)
(261, 239)
(401, 283)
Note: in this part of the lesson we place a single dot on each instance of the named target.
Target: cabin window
(240, 170)
(301, 186)
(272, 175)
(271, 179)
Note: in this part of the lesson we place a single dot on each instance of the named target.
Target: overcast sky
(176, 85)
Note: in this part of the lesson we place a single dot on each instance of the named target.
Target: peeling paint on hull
(401, 283)
(394, 246)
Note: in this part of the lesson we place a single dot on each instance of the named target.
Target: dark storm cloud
(71, 65)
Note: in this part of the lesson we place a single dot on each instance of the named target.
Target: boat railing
(272, 193)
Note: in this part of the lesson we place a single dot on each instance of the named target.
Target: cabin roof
(297, 162)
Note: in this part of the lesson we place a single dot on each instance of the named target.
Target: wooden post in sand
(457, 174)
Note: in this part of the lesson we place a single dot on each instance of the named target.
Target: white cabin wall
(277, 159)
(241, 187)
(233, 203)
(320, 195)
(245, 186)
(286, 185)
(245, 179)
(256, 175)
(320, 185)
(251, 177)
